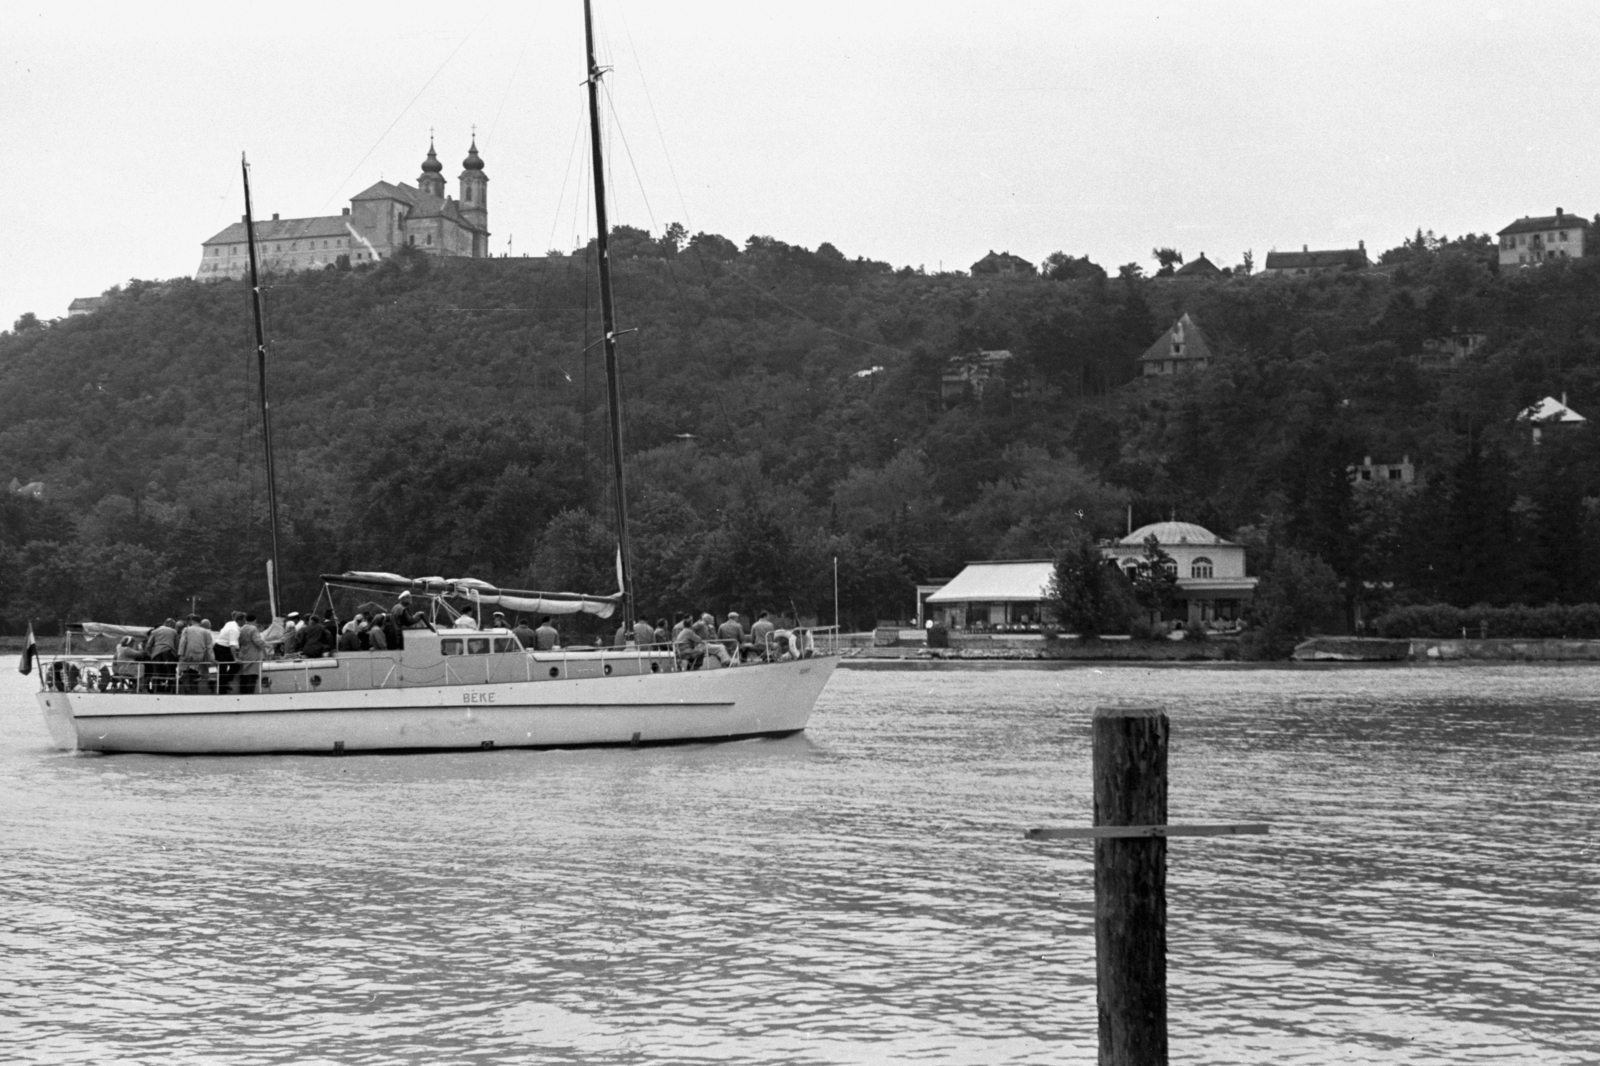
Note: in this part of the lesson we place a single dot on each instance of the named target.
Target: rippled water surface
(1430, 892)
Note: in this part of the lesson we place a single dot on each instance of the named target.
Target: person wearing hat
(294, 634)
(731, 633)
(500, 621)
(404, 617)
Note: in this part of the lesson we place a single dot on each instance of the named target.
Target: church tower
(475, 196)
(432, 179)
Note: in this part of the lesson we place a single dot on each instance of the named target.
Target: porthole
(655, 668)
(555, 671)
(316, 679)
(608, 669)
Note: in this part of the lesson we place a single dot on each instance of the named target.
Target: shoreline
(975, 663)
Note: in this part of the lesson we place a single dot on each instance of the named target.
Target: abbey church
(379, 220)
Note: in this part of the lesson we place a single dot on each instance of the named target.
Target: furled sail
(470, 588)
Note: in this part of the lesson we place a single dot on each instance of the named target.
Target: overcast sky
(918, 133)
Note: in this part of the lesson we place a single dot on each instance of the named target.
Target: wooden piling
(1130, 886)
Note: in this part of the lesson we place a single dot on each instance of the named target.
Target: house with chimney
(1307, 262)
(1531, 240)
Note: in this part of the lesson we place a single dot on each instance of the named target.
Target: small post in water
(1130, 885)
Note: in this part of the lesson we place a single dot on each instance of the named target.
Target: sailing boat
(456, 686)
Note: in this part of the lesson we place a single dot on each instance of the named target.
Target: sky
(922, 134)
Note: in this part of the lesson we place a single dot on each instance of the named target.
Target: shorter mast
(608, 319)
(275, 568)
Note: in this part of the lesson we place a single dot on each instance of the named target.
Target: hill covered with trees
(785, 407)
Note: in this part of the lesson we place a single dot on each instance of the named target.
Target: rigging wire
(403, 110)
(517, 69)
(616, 124)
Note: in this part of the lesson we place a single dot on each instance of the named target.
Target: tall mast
(261, 367)
(608, 319)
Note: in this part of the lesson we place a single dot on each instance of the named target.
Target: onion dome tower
(475, 193)
(432, 179)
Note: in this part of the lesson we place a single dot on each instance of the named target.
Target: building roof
(383, 190)
(1173, 533)
(287, 229)
(1017, 580)
(1533, 224)
(1183, 341)
(1306, 259)
(1550, 410)
(1200, 266)
(85, 303)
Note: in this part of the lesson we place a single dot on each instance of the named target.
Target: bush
(1441, 620)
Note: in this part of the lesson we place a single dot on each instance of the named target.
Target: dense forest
(784, 408)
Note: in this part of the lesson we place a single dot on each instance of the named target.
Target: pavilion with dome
(1008, 595)
(380, 220)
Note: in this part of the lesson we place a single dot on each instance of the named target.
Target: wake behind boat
(455, 686)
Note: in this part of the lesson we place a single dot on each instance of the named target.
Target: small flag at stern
(30, 652)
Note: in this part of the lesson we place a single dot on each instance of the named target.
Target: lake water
(1430, 892)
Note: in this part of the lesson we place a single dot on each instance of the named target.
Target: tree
(1298, 595)
(1169, 258)
(28, 321)
(1155, 579)
(1087, 594)
(1059, 266)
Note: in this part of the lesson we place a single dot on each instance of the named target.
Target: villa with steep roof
(1180, 349)
(380, 220)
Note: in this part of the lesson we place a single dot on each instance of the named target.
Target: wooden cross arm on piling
(1102, 832)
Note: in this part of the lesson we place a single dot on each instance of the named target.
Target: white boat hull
(770, 699)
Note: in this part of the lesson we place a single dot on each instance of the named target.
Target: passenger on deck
(161, 651)
(392, 636)
(689, 647)
(525, 634)
(545, 637)
(761, 635)
(227, 652)
(706, 627)
(620, 638)
(125, 668)
(661, 634)
(499, 621)
(318, 640)
(194, 652)
(644, 634)
(731, 633)
(404, 616)
(252, 649)
(294, 634)
(377, 640)
(349, 639)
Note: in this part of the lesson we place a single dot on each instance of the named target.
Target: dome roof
(472, 162)
(1173, 533)
(431, 165)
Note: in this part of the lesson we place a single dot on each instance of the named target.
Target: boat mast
(276, 569)
(608, 319)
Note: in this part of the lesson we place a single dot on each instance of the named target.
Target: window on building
(412, 240)
(1563, 234)
(430, 238)
(1394, 473)
(1201, 567)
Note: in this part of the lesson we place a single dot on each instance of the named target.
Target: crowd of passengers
(185, 655)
